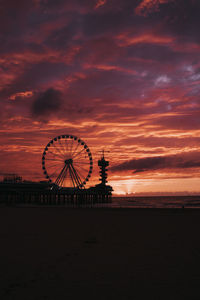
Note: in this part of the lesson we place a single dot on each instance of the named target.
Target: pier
(67, 166)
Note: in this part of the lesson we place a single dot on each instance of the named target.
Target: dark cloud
(35, 75)
(177, 17)
(47, 102)
(14, 15)
(98, 24)
(179, 161)
(62, 37)
(182, 19)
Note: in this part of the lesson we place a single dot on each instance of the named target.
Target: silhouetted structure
(45, 194)
(15, 191)
(67, 161)
(102, 163)
(102, 190)
(12, 178)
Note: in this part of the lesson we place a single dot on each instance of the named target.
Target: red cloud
(145, 38)
(147, 6)
(100, 3)
(121, 82)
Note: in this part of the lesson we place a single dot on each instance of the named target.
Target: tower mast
(103, 164)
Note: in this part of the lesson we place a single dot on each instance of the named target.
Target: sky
(122, 75)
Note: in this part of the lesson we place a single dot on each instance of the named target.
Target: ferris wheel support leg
(60, 176)
(64, 175)
(76, 176)
(72, 176)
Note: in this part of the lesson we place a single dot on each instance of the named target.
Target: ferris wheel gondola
(67, 162)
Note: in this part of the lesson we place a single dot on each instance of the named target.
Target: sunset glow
(124, 76)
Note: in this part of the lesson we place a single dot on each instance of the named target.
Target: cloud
(47, 102)
(26, 94)
(189, 121)
(150, 164)
(148, 6)
(145, 38)
(100, 3)
(123, 81)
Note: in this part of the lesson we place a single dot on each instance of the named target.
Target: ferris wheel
(67, 161)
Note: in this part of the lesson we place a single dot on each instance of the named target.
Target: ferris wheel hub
(69, 161)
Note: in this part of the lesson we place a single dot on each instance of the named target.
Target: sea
(130, 202)
(156, 202)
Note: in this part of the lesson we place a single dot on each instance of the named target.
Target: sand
(59, 253)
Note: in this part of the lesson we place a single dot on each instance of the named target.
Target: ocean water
(156, 202)
(130, 202)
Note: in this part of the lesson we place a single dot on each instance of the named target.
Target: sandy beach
(59, 253)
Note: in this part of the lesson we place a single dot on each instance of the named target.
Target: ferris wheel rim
(85, 149)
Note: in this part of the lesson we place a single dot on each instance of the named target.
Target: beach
(62, 253)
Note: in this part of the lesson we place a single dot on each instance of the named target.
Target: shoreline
(191, 208)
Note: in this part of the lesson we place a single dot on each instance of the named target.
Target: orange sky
(121, 75)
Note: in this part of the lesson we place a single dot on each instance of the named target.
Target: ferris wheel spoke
(53, 174)
(54, 159)
(86, 170)
(55, 165)
(79, 152)
(75, 150)
(71, 147)
(83, 172)
(61, 147)
(64, 146)
(55, 155)
(67, 146)
(82, 163)
(80, 175)
(82, 156)
(58, 150)
(56, 169)
(50, 152)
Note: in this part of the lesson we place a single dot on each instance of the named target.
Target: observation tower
(102, 188)
(103, 164)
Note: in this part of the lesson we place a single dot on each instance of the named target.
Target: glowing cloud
(119, 81)
(148, 6)
(146, 38)
(100, 3)
(26, 94)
